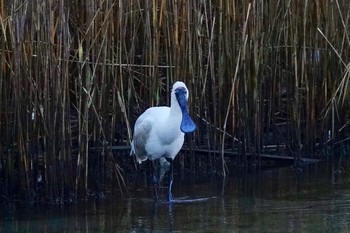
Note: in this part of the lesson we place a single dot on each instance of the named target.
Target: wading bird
(159, 131)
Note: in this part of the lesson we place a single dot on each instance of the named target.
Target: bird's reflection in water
(162, 208)
(154, 220)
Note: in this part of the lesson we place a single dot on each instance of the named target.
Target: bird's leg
(154, 180)
(171, 176)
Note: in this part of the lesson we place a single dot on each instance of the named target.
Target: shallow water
(276, 200)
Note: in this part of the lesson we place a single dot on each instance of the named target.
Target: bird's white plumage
(157, 131)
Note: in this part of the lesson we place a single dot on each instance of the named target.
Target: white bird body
(159, 131)
(157, 134)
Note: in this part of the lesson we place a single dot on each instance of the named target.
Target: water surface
(276, 200)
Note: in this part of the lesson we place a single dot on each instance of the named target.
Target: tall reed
(76, 74)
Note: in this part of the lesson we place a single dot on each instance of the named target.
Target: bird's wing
(142, 131)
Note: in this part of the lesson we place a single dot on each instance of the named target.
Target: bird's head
(179, 96)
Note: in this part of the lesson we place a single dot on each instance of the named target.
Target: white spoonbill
(159, 131)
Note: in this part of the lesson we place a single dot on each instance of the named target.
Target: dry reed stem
(76, 74)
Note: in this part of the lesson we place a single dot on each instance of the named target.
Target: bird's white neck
(172, 122)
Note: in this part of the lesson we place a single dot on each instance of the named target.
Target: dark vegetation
(265, 77)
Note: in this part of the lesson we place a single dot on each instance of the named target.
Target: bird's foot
(170, 197)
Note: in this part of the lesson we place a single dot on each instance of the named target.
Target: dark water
(277, 200)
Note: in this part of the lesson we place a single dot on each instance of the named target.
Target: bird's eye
(181, 89)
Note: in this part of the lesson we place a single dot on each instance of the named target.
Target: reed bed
(76, 74)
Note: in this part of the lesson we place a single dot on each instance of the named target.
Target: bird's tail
(139, 157)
